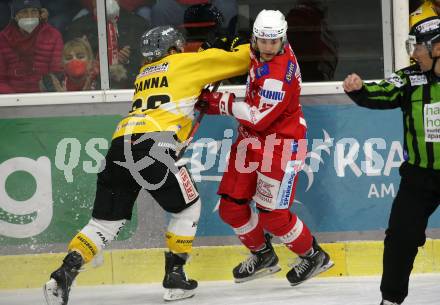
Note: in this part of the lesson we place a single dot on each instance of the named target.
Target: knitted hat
(18, 5)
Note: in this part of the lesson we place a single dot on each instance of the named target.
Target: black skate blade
(260, 273)
(318, 271)
(176, 294)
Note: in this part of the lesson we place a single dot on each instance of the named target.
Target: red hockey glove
(215, 102)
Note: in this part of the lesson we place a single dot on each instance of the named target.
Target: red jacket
(272, 99)
(25, 58)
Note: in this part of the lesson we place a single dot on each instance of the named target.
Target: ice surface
(424, 290)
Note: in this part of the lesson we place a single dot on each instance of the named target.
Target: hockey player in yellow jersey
(143, 155)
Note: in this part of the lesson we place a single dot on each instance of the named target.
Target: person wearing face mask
(29, 48)
(415, 90)
(80, 69)
(123, 31)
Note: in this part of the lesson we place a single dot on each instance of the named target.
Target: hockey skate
(385, 302)
(177, 285)
(260, 263)
(307, 267)
(56, 290)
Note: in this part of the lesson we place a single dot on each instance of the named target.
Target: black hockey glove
(236, 41)
(223, 42)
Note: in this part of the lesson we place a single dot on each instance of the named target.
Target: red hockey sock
(289, 228)
(244, 223)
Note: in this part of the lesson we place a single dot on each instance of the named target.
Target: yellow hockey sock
(179, 244)
(84, 245)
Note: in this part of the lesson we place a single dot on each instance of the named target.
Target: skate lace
(300, 266)
(249, 264)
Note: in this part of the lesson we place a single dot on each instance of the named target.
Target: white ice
(424, 290)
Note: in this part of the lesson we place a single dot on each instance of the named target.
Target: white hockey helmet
(269, 24)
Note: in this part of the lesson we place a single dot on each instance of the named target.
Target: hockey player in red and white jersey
(265, 159)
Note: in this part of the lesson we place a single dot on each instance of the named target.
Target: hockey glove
(217, 42)
(215, 102)
(236, 41)
(224, 43)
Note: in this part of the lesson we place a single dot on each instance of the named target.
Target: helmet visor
(410, 44)
(421, 47)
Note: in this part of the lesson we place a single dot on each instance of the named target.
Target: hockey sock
(298, 239)
(251, 234)
(182, 229)
(244, 222)
(94, 237)
(289, 228)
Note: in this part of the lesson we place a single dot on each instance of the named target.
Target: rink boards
(48, 169)
(207, 264)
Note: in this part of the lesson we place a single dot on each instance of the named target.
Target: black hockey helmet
(202, 15)
(426, 31)
(157, 42)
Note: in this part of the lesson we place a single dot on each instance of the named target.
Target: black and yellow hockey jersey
(166, 90)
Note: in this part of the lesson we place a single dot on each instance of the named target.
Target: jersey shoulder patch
(291, 71)
(262, 71)
(396, 80)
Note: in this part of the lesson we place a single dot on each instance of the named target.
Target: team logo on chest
(272, 95)
(272, 91)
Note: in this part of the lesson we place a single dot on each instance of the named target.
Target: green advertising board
(48, 170)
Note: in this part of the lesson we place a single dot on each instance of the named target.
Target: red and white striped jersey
(272, 99)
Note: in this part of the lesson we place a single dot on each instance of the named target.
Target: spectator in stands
(202, 22)
(229, 9)
(5, 15)
(124, 30)
(171, 12)
(80, 69)
(205, 23)
(29, 48)
(61, 12)
(140, 7)
(313, 42)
